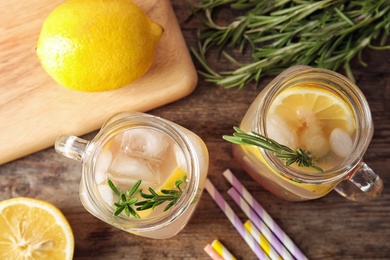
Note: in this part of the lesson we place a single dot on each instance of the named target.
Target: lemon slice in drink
(311, 114)
(303, 106)
(34, 229)
(169, 184)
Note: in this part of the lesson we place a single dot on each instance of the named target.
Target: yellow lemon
(97, 45)
(34, 229)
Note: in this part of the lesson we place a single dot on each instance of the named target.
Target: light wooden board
(34, 110)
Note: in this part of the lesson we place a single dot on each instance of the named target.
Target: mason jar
(133, 146)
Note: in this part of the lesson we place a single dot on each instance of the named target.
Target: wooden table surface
(328, 228)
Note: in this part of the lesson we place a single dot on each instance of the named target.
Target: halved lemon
(34, 229)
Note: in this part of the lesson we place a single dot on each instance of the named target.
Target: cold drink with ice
(322, 113)
(133, 147)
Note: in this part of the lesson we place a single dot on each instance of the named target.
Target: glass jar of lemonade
(323, 113)
(133, 147)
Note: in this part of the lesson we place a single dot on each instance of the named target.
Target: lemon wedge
(170, 183)
(34, 229)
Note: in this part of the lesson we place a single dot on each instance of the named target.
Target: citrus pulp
(34, 229)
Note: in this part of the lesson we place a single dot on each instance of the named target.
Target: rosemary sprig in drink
(299, 156)
(154, 199)
(127, 201)
(279, 34)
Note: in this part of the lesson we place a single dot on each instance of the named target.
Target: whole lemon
(97, 45)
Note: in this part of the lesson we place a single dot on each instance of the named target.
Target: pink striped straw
(277, 246)
(236, 222)
(279, 233)
(212, 253)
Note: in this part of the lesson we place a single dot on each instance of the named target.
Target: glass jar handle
(71, 146)
(363, 185)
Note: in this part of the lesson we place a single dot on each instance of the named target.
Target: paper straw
(222, 251)
(263, 242)
(212, 253)
(279, 233)
(277, 246)
(236, 222)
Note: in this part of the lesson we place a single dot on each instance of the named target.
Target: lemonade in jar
(305, 135)
(141, 173)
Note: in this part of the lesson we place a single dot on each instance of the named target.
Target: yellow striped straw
(263, 242)
(222, 251)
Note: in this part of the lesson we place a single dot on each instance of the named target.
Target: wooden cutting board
(34, 110)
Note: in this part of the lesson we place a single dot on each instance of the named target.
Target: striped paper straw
(279, 233)
(263, 242)
(222, 251)
(261, 227)
(236, 222)
(213, 254)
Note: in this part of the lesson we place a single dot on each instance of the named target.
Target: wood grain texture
(324, 229)
(34, 109)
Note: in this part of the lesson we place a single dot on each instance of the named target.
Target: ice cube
(132, 169)
(145, 143)
(102, 165)
(280, 131)
(341, 142)
(106, 193)
(314, 141)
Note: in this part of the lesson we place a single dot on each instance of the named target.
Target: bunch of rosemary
(283, 33)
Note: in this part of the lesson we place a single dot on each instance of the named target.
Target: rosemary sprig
(299, 156)
(282, 33)
(152, 200)
(126, 199)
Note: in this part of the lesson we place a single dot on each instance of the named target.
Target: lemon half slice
(34, 229)
(305, 116)
(303, 105)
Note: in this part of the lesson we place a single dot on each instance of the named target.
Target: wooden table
(327, 228)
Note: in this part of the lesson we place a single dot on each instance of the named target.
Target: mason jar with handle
(133, 147)
(323, 113)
